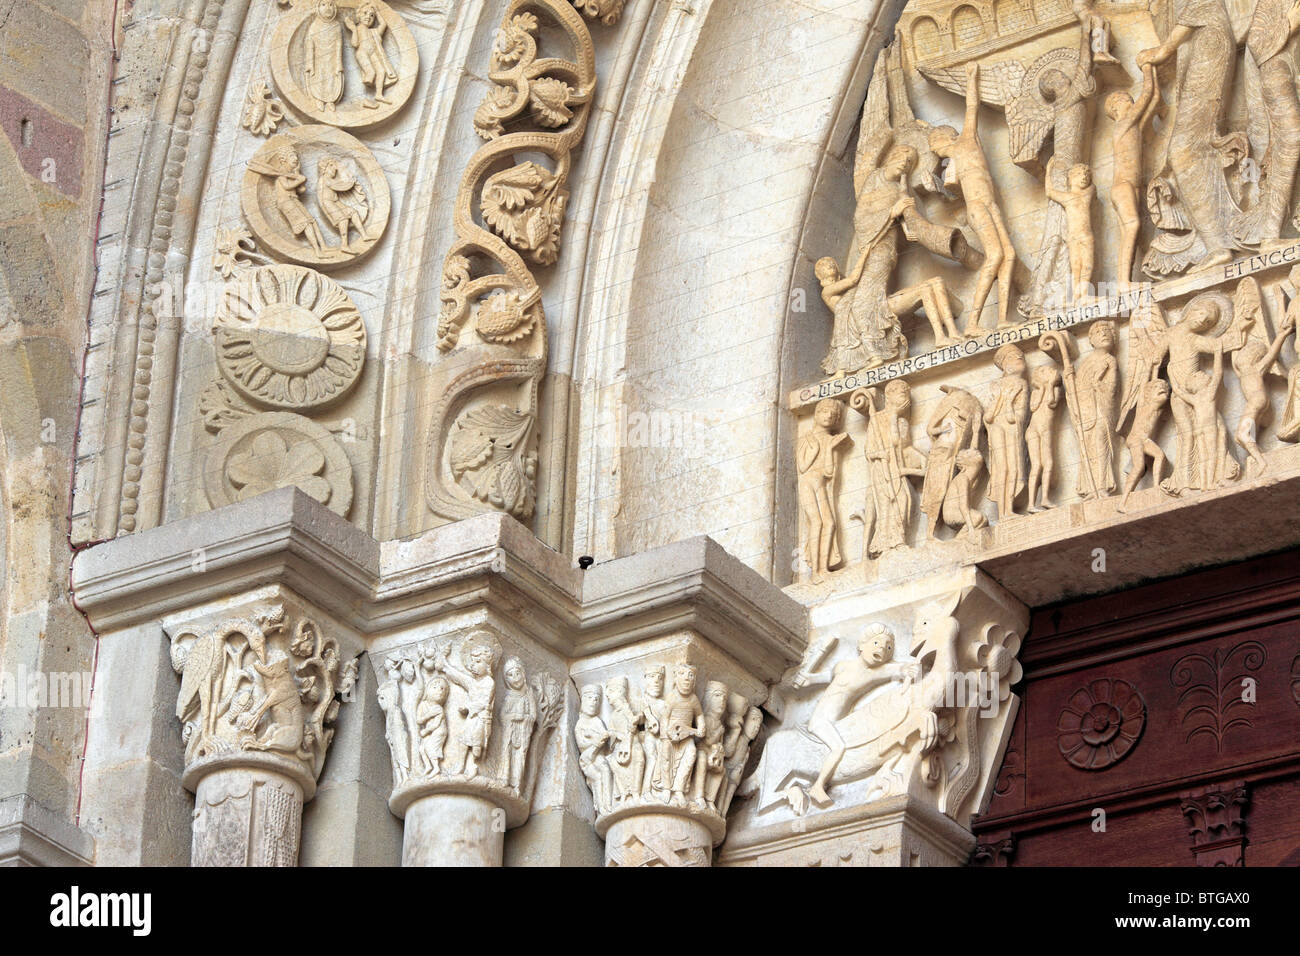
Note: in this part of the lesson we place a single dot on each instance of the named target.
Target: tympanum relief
(1092, 209)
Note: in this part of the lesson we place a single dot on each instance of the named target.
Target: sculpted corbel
(918, 708)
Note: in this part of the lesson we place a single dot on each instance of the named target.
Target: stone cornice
(285, 537)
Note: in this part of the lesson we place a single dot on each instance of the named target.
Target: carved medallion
(277, 450)
(289, 338)
(350, 63)
(1101, 724)
(316, 196)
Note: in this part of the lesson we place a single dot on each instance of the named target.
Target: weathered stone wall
(55, 64)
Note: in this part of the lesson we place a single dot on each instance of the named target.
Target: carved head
(684, 679)
(829, 413)
(591, 699)
(827, 270)
(326, 9)
(736, 705)
(1117, 104)
(654, 680)
(513, 671)
(899, 161)
(1102, 335)
(1079, 176)
(715, 698)
(1009, 360)
(898, 395)
(408, 670)
(366, 14)
(479, 653)
(1156, 392)
(437, 689)
(1201, 314)
(753, 722)
(942, 139)
(876, 646)
(1045, 377)
(1053, 85)
(969, 462)
(616, 690)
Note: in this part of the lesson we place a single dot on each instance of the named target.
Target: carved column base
(246, 816)
(665, 838)
(453, 829)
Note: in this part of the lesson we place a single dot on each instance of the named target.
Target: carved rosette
(289, 342)
(663, 750)
(288, 337)
(1101, 724)
(462, 717)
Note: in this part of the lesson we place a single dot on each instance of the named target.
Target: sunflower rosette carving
(1101, 724)
(289, 338)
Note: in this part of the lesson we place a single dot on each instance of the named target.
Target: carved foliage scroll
(483, 436)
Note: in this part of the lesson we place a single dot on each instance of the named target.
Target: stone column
(663, 734)
(465, 728)
(259, 693)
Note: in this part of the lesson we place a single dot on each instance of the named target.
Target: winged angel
(893, 157)
(1048, 97)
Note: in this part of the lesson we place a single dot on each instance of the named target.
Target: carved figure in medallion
(342, 200)
(323, 65)
(366, 30)
(285, 167)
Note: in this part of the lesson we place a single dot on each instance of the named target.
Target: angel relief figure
(367, 38)
(1047, 98)
(892, 153)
